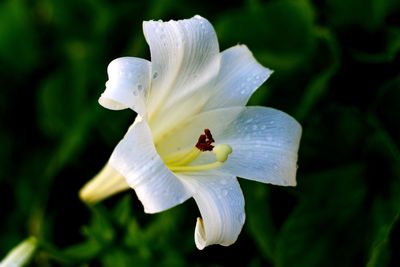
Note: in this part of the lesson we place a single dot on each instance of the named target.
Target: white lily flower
(193, 134)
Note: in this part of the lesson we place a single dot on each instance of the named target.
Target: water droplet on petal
(223, 181)
(155, 75)
(225, 192)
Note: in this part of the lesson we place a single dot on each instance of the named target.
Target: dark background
(337, 71)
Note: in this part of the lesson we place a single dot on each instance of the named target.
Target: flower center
(180, 162)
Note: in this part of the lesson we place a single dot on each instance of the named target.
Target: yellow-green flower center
(181, 161)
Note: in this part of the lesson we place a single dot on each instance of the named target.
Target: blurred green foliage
(337, 70)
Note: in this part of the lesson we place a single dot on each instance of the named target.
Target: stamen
(178, 162)
(205, 141)
(194, 168)
(221, 154)
(182, 159)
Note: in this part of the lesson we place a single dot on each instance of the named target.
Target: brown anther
(209, 135)
(205, 141)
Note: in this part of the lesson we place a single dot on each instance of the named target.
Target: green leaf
(123, 212)
(391, 49)
(19, 49)
(83, 251)
(280, 33)
(385, 211)
(317, 231)
(259, 218)
(370, 14)
(100, 228)
(319, 84)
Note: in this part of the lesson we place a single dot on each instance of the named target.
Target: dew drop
(243, 92)
(225, 192)
(223, 181)
(166, 192)
(155, 75)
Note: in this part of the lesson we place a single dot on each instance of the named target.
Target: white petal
(136, 158)
(265, 141)
(239, 76)
(221, 205)
(185, 58)
(127, 85)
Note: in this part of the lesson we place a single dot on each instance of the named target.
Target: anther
(222, 152)
(209, 135)
(205, 141)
